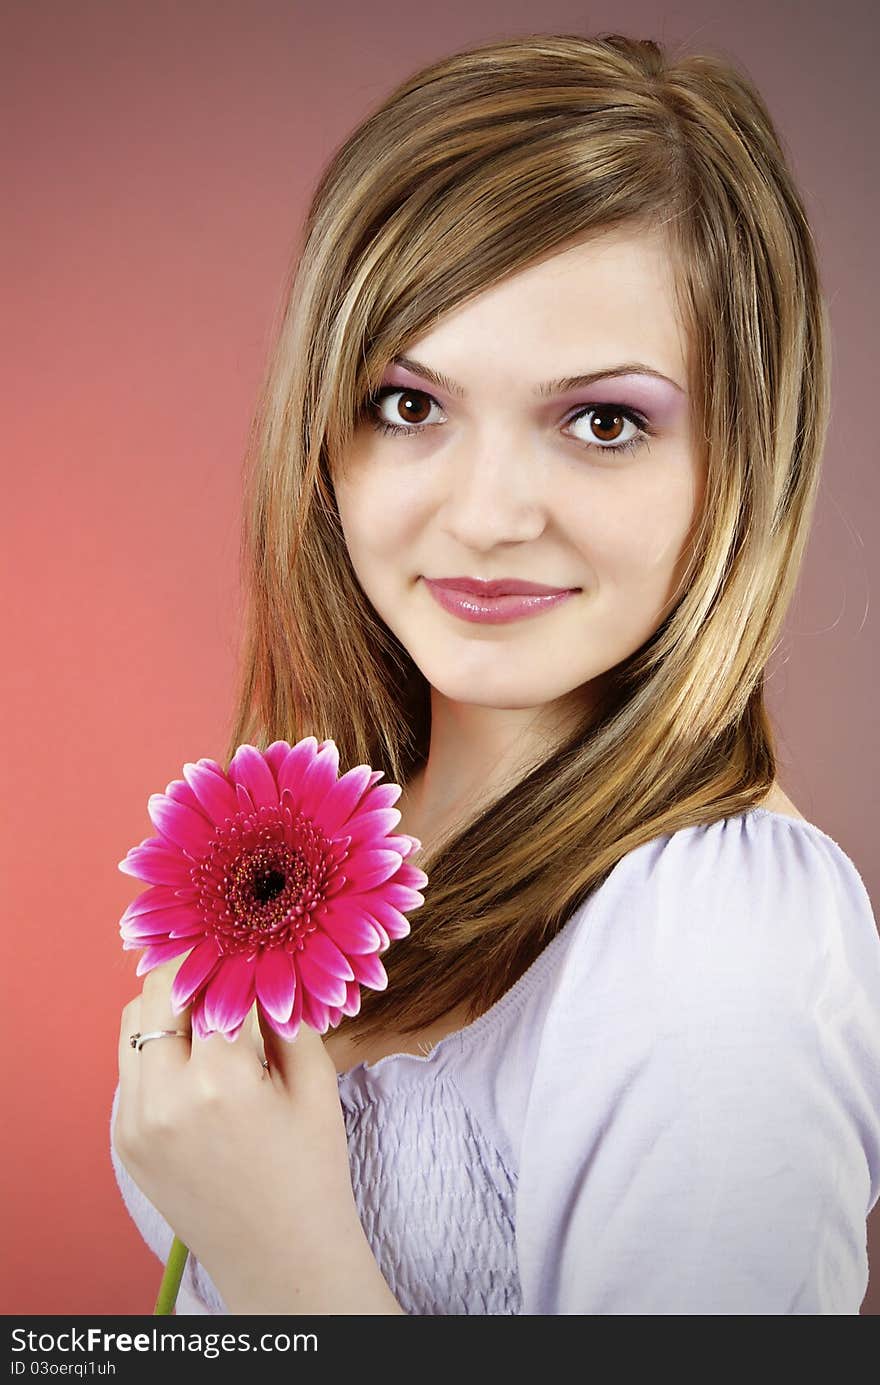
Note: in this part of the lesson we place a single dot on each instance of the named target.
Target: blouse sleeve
(702, 1133)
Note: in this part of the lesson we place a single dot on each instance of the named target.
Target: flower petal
(323, 951)
(275, 755)
(343, 797)
(401, 896)
(369, 971)
(156, 897)
(317, 782)
(276, 983)
(230, 1035)
(206, 762)
(193, 973)
(402, 843)
(197, 1019)
(318, 982)
(395, 923)
(372, 826)
(314, 1013)
(382, 796)
(352, 998)
(289, 1030)
(213, 791)
(350, 929)
(248, 767)
(295, 764)
(185, 827)
(180, 792)
(230, 993)
(157, 864)
(189, 925)
(412, 876)
(366, 868)
(152, 940)
(161, 952)
(152, 925)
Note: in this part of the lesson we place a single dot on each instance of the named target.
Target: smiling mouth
(495, 610)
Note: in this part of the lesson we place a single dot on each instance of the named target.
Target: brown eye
(406, 414)
(410, 408)
(607, 424)
(610, 428)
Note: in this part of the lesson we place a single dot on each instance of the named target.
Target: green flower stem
(171, 1278)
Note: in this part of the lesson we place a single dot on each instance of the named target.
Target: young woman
(531, 480)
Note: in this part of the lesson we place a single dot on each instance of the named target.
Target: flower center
(267, 884)
(264, 882)
(264, 879)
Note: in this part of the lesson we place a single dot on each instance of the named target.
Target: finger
(300, 1061)
(224, 1024)
(160, 1058)
(129, 1024)
(129, 1076)
(276, 1045)
(218, 1053)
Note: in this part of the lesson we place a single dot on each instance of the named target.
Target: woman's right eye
(417, 414)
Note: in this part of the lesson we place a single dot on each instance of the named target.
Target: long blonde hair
(472, 169)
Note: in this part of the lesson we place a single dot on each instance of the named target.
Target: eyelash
(409, 430)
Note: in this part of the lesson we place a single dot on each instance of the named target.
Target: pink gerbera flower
(281, 881)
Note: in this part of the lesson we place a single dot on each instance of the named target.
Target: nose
(493, 493)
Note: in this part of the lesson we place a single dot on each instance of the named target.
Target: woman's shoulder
(776, 800)
(763, 902)
(770, 852)
(748, 938)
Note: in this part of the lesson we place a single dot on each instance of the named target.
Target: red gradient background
(157, 160)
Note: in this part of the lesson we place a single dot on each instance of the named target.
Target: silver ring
(138, 1040)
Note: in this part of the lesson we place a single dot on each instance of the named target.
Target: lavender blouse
(675, 1109)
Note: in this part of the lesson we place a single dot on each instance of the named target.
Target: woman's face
(495, 474)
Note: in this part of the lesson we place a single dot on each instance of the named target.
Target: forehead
(603, 300)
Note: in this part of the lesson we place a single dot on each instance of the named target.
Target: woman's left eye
(606, 422)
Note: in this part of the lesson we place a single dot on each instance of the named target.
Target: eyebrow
(549, 388)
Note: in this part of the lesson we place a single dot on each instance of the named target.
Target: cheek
(632, 528)
(379, 520)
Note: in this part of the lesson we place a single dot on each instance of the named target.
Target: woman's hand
(248, 1165)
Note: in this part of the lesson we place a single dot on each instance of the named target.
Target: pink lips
(498, 586)
(503, 599)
